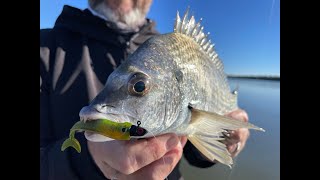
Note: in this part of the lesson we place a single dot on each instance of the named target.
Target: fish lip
(90, 114)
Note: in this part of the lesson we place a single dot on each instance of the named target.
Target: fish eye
(138, 84)
(123, 129)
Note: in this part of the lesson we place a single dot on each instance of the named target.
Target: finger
(109, 172)
(232, 148)
(234, 137)
(143, 152)
(160, 169)
(235, 149)
(183, 140)
(241, 134)
(236, 142)
(239, 114)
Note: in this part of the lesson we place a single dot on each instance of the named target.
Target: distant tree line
(267, 77)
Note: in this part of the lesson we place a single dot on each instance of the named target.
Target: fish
(173, 83)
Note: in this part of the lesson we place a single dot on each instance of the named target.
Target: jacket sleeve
(194, 157)
(55, 164)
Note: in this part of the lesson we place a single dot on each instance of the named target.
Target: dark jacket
(76, 57)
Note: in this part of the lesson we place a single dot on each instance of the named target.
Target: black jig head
(137, 130)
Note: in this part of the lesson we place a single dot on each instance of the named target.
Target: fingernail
(172, 142)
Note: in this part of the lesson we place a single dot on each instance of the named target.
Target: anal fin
(212, 148)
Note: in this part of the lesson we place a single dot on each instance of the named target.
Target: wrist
(83, 162)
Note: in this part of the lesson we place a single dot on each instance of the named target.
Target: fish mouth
(90, 113)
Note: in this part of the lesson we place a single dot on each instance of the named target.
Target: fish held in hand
(173, 83)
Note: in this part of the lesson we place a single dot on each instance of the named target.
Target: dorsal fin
(189, 27)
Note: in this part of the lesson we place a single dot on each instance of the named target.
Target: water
(260, 159)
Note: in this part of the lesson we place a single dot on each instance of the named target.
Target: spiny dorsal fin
(189, 27)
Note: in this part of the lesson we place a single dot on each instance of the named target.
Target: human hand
(152, 158)
(236, 140)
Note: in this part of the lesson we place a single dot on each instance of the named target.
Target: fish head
(143, 89)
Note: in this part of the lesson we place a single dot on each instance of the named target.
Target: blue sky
(246, 33)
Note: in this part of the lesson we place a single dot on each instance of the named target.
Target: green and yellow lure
(105, 127)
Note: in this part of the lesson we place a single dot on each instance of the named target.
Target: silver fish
(173, 83)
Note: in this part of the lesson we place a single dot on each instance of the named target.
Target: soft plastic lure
(105, 127)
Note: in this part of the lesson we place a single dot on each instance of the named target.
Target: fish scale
(213, 93)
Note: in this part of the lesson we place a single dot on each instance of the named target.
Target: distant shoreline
(275, 78)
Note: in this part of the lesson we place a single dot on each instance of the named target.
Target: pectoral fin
(211, 120)
(208, 128)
